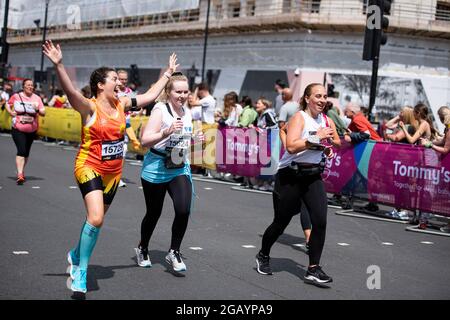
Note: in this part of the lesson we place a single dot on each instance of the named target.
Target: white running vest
(306, 156)
(167, 121)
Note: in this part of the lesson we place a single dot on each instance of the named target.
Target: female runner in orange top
(98, 165)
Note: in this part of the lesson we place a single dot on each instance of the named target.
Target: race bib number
(26, 119)
(179, 141)
(112, 150)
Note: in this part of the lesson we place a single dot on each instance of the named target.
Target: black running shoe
(316, 275)
(262, 264)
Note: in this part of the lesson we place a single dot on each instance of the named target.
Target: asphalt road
(41, 220)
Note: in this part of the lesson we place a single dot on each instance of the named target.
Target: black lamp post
(205, 44)
(37, 22)
(4, 44)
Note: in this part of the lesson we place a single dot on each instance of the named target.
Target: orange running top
(102, 141)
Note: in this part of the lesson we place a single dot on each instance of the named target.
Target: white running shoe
(142, 258)
(122, 184)
(174, 259)
(73, 264)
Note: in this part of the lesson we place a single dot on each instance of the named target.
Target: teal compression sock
(88, 239)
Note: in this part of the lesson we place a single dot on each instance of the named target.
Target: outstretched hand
(53, 53)
(173, 63)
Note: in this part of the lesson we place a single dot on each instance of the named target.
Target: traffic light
(376, 25)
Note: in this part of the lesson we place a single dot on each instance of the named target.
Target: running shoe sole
(314, 280)
(71, 271)
(175, 269)
(259, 270)
(75, 289)
(143, 265)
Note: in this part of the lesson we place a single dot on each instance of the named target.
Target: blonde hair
(408, 117)
(265, 102)
(164, 96)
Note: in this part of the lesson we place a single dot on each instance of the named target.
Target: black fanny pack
(301, 170)
(169, 156)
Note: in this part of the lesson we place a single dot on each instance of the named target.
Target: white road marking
(35, 187)
(426, 242)
(343, 244)
(298, 245)
(208, 188)
(248, 246)
(140, 187)
(387, 243)
(73, 187)
(195, 248)
(137, 164)
(20, 252)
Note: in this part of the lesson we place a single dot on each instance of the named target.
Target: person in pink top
(24, 108)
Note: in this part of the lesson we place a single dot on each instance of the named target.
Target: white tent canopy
(22, 13)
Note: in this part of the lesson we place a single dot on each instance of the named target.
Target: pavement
(41, 220)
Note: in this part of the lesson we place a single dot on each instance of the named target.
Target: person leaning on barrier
(99, 162)
(359, 129)
(425, 130)
(393, 130)
(311, 136)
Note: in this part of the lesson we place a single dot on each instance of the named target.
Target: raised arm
(76, 99)
(154, 91)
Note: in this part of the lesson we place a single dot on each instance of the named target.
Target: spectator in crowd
(393, 131)
(24, 108)
(266, 120)
(279, 86)
(130, 136)
(360, 128)
(59, 100)
(266, 115)
(207, 102)
(288, 109)
(193, 103)
(232, 110)
(334, 113)
(441, 145)
(5, 94)
(249, 115)
(426, 129)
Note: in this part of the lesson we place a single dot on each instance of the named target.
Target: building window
(365, 5)
(251, 8)
(234, 10)
(313, 6)
(443, 11)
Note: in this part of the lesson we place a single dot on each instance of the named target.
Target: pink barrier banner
(247, 152)
(399, 175)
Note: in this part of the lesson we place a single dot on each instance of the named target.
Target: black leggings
(23, 141)
(288, 194)
(180, 190)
